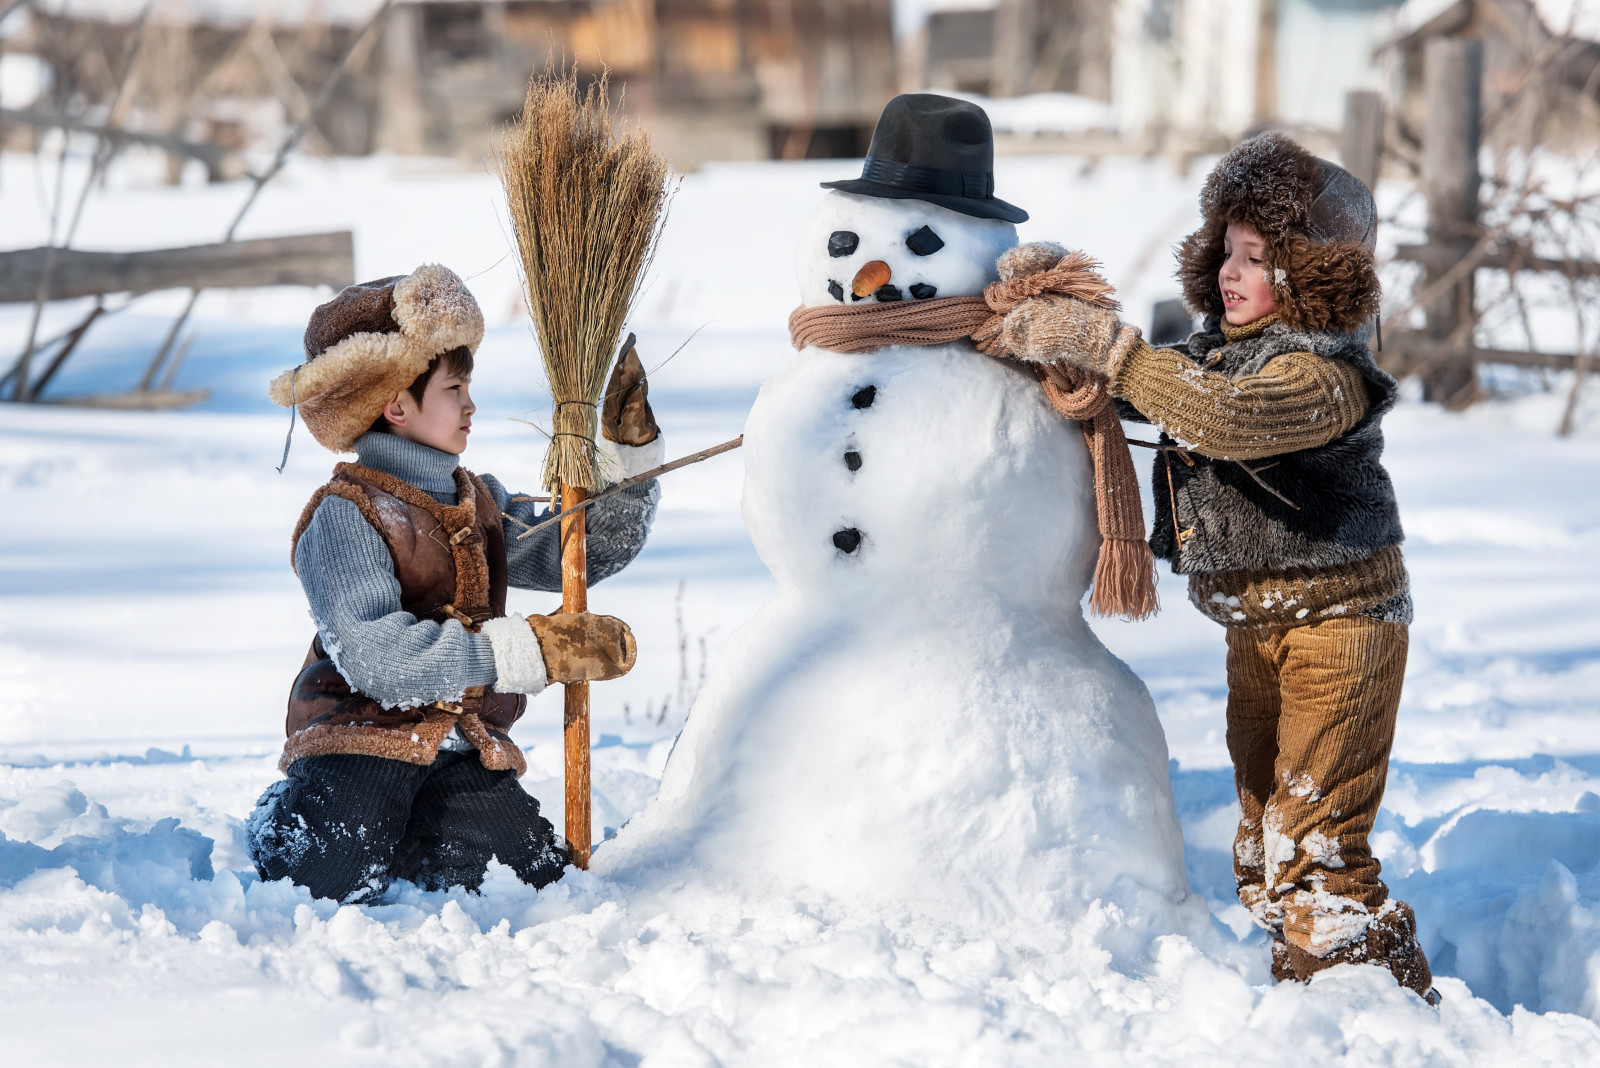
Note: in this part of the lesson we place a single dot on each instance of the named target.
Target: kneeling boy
(398, 762)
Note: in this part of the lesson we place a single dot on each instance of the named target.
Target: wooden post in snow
(1453, 78)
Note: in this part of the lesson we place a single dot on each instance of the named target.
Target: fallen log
(300, 260)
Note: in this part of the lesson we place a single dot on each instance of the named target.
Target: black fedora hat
(933, 148)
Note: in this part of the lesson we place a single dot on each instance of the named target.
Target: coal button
(847, 540)
(852, 460)
(864, 396)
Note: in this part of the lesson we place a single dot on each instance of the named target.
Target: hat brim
(990, 208)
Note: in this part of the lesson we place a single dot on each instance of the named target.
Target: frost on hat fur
(372, 341)
(1318, 223)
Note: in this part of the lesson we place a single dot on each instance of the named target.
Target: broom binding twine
(1124, 574)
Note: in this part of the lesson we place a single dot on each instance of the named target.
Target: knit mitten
(626, 417)
(1053, 327)
(584, 647)
(1032, 258)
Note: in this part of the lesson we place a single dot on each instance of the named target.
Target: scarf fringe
(1125, 580)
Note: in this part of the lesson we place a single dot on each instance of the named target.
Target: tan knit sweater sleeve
(1296, 401)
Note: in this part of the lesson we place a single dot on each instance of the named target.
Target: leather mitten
(583, 646)
(625, 417)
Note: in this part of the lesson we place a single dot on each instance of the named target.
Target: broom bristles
(587, 198)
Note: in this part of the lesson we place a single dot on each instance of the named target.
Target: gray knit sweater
(348, 575)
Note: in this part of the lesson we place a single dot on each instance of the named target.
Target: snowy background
(150, 626)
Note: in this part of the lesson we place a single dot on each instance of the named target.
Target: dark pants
(343, 826)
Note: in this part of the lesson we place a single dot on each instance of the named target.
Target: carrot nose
(870, 277)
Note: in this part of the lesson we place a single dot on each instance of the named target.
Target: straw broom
(587, 199)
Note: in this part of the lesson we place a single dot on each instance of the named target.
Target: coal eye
(844, 242)
(925, 242)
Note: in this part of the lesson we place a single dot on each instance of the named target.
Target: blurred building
(713, 79)
(1197, 74)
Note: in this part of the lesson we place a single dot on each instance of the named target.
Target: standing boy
(398, 763)
(1278, 508)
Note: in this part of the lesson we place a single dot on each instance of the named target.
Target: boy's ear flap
(1329, 288)
(1200, 257)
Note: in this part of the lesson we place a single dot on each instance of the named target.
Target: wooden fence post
(1361, 137)
(1453, 79)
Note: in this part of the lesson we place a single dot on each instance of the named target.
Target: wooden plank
(215, 157)
(133, 400)
(1414, 347)
(301, 260)
(1439, 260)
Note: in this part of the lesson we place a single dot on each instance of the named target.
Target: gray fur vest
(1346, 503)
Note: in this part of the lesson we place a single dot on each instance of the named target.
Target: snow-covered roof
(1042, 113)
(1581, 17)
(220, 12)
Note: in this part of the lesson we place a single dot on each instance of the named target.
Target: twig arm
(654, 472)
(1253, 472)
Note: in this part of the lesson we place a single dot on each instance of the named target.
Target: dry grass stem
(587, 199)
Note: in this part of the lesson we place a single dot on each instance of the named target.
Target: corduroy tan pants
(1311, 713)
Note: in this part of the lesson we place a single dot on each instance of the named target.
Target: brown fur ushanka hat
(372, 341)
(1319, 225)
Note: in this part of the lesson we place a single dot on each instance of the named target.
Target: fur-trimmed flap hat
(372, 341)
(1319, 225)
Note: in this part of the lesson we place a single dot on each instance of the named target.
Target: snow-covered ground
(149, 626)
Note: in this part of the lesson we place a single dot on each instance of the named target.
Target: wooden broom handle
(575, 721)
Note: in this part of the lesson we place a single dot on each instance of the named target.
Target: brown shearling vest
(450, 561)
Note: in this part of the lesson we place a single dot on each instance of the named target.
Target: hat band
(928, 179)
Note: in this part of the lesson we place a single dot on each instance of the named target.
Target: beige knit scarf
(1124, 575)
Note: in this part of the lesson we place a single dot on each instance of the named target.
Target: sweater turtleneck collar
(428, 469)
(1246, 331)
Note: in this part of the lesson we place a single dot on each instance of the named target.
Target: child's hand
(1053, 327)
(584, 647)
(625, 417)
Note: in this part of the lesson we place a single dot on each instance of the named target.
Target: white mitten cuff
(619, 461)
(518, 661)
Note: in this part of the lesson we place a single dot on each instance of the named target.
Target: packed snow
(151, 625)
(919, 721)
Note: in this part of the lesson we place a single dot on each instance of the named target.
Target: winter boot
(1390, 942)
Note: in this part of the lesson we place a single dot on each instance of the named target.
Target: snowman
(920, 721)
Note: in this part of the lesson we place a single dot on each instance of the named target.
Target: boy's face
(1244, 280)
(444, 418)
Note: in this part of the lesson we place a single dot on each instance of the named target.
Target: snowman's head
(860, 250)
